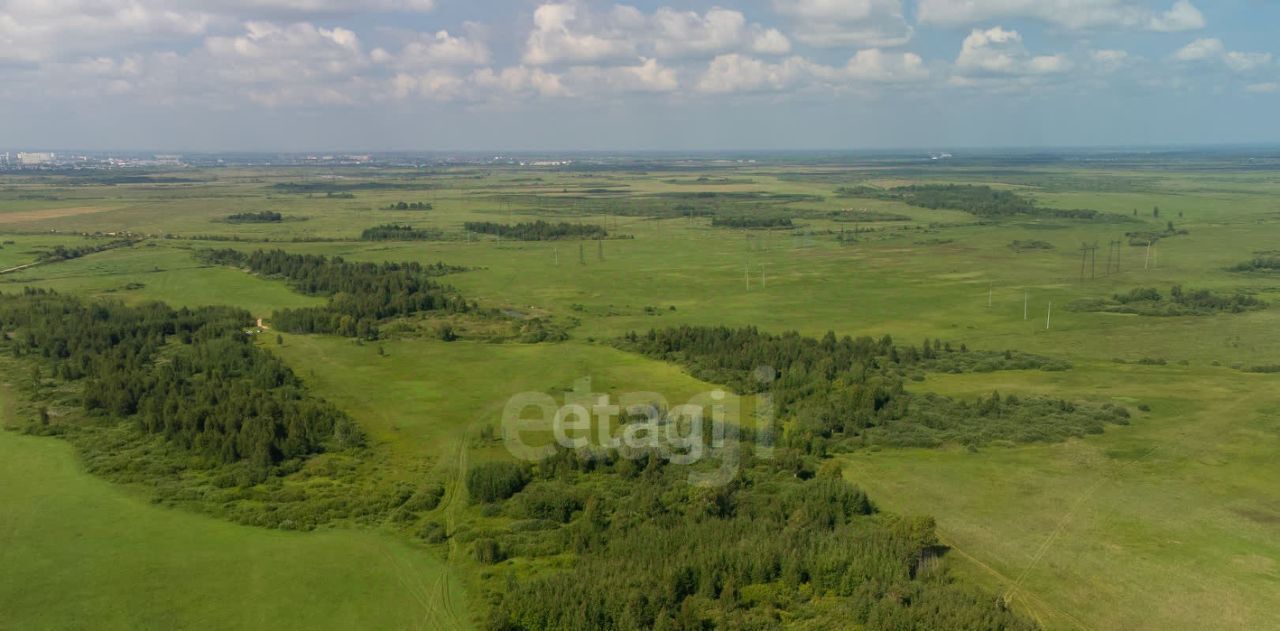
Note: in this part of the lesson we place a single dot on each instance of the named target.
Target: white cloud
(647, 76)
(440, 49)
(1200, 50)
(1070, 14)
(831, 23)
(678, 33)
(289, 64)
(740, 73)
(1213, 50)
(1183, 16)
(1246, 62)
(1263, 88)
(876, 65)
(1110, 60)
(519, 81)
(997, 51)
(568, 32)
(329, 6)
(38, 30)
(571, 32)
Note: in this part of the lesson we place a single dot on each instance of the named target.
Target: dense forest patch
(1148, 301)
(191, 376)
(399, 232)
(846, 393)
(783, 543)
(266, 216)
(538, 230)
(757, 223)
(980, 201)
(361, 294)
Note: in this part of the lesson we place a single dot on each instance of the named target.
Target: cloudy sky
(752, 74)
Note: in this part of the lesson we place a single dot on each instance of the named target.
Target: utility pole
(582, 253)
(557, 250)
(1093, 261)
(746, 270)
(1048, 314)
(762, 280)
(990, 289)
(1084, 258)
(1146, 263)
(600, 249)
(1026, 296)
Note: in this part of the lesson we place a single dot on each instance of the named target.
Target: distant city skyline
(517, 75)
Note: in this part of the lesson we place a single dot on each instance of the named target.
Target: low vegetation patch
(1268, 262)
(1030, 246)
(409, 206)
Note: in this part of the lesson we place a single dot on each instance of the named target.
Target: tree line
(539, 230)
(402, 205)
(63, 253)
(399, 232)
(360, 294)
(751, 222)
(192, 376)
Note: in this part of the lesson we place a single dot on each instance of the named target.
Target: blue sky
(313, 75)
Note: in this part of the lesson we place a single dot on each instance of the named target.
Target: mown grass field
(1168, 523)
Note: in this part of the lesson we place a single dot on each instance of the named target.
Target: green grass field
(1168, 523)
(82, 553)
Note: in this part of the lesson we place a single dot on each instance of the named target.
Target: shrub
(493, 481)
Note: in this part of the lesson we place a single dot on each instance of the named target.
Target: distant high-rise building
(35, 158)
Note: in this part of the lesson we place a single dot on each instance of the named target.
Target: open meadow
(1170, 520)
